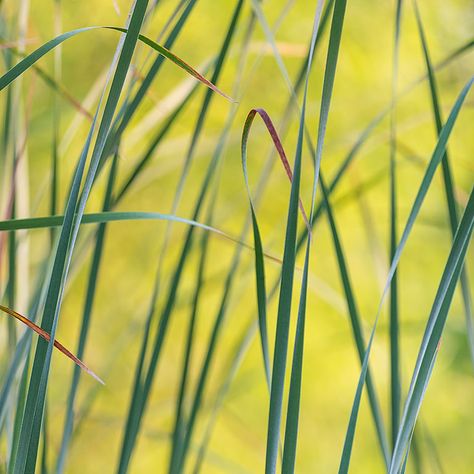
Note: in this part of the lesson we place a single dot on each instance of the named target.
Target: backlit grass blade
(431, 339)
(119, 216)
(29, 437)
(90, 295)
(283, 322)
(447, 179)
(56, 86)
(32, 58)
(128, 110)
(46, 337)
(145, 375)
(179, 422)
(210, 353)
(415, 209)
(147, 156)
(395, 386)
(259, 264)
(356, 324)
(284, 307)
(237, 356)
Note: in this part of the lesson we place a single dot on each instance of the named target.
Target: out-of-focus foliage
(204, 402)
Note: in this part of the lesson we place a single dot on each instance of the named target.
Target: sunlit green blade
(448, 180)
(433, 332)
(25, 460)
(145, 375)
(415, 209)
(237, 356)
(395, 386)
(179, 423)
(355, 322)
(91, 289)
(294, 396)
(32, 58)
(284, 307)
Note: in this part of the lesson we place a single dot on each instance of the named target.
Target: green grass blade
(259, 264)
(179, 424)
(355, 322)
(91, 288)
(433, 332)
(447, 179)
(29, 437)
(395, 386)
(422, 190)
(283, 322)
(284, 307)
(119, 216)
(294, 396)
(128, 110)
(148, 375)
(32, 58)
(291, 430)
(237, 357)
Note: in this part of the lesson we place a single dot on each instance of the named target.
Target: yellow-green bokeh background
(331, 368)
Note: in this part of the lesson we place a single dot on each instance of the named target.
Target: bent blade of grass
(431, 339)
(278, 147)
(259, 264)
(290, 440)
(30, 324)
(32, 58)
(422, 190)
(448, 179)
(261, 293)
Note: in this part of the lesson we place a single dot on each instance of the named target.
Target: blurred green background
(361, 203)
